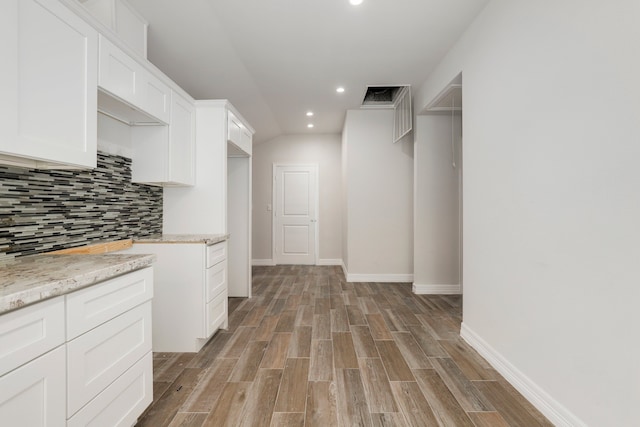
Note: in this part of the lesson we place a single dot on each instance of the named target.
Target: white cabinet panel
(122, 402)
(216, 280)
(216, 253)
(156, 97)
(146, 99)
(239, 136)
(182, 140)
(119, 73)
(123, 20)
(98, 357)
(182, 319)
(34, 394)
(131, 27)
(165, 155)
(48, 83)
(90, 307)
(29, 332)
(216, 314)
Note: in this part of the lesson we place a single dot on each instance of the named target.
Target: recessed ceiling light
(340, 89)
(309, 113)
(310, 125)
(355, 2)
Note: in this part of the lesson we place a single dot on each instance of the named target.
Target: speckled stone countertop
(207, 239)
(30, 279)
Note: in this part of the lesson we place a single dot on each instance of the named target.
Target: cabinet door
(119, 75)
(34, 394)
(97, 358)
(155, 97)
(29, 332)
(182, 140)
(48, 82)
(122, 402)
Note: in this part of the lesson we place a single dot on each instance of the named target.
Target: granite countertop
(30, 279)
(207, 239)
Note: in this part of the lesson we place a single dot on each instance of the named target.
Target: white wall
(437, 216)
(321, 149)
(379, 193)
(114, 137)
(551, 101)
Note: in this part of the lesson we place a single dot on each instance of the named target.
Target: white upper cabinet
(146, 99)
(182, 140)
(48, 82)
(123, 20)
(239, 135)
(164, 155)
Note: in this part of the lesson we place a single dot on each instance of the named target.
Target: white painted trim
(261, 262)
(382, 278)
(330, 261)
(551, 408)
(432, 289)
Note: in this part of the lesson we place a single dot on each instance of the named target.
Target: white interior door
(295, 214)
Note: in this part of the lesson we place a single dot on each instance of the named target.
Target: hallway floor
(310, 349)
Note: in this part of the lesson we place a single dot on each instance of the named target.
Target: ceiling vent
(381, 96)
(397, 98)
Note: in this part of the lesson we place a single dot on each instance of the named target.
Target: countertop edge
(176, 239)
(36, 293)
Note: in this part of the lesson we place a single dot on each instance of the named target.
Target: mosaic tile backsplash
(42, 211)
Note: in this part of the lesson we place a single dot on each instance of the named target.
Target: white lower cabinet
(123, 401)
(99, 375)
(97, 358)
(34, 394)
(190, 293)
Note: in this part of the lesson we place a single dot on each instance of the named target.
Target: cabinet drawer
(216, 313)
(29, 332)
(122, 402)
(97, 358)
(90, 307)
(33, 395)
(216, 253)
(216, 280)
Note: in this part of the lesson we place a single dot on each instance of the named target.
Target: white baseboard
(262, 262)
(382, 278)
(551, 408)
(329, 261)
(421, 289)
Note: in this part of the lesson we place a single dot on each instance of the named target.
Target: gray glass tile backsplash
(42, 211)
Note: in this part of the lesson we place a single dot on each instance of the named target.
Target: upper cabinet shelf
(49, 86)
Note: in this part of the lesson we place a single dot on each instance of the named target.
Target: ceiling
(277, 59)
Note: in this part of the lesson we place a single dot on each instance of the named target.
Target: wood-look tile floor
(310, 349)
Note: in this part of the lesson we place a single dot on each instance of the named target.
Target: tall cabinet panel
(220, 201)
(181, 137)
(48, 81)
